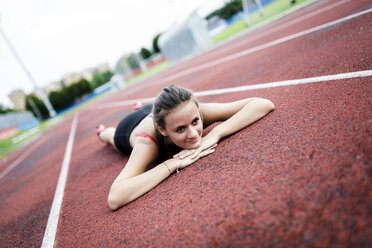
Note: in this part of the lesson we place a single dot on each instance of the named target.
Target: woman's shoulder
(144, 132)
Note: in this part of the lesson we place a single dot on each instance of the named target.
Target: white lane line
(20, 149)
(119, 104)
(280, 26)
(263, 46)
(297, 20)
(231, 57)
(18, 161)
(356, 74)
(51, 228)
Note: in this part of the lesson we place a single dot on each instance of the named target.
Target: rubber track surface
(300, 177)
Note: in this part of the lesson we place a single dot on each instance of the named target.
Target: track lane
(301, 145)
(51, 228)
(26, 192)
(282, 180)
(334, 11)
(349, 52)
(351, 8)
(260, 179)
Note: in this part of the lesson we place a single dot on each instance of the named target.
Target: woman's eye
(195, 121)
(180, 130)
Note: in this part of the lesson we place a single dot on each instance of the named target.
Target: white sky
(58, 37)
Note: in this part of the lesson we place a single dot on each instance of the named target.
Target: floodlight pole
(140, 62)
(40, 92)
(260, 7)
(245, 9)
(34, 107)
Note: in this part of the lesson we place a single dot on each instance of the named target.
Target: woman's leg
(107, 135)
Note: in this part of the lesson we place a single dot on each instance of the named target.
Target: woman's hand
(209, 141)
(186, 161)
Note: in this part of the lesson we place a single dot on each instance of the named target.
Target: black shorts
(126, 126)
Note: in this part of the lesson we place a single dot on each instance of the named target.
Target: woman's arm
(126, 190)
(234, 116)
(237, 115)
(144, 152)
(133, 182)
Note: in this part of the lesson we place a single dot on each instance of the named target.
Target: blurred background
(57, 55)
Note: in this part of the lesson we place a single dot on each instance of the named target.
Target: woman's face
(184, 126)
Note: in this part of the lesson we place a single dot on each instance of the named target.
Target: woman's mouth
(193, 141)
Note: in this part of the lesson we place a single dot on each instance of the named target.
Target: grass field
(271, 10)
(154, 70)
(22, 137)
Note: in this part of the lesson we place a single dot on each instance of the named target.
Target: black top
(126, 126)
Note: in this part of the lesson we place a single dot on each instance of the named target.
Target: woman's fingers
(202, 149)
(183, 154)
(189, 160)
(192, 153)
(206, 152)
(180, 154)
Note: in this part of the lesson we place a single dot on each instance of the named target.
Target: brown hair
(171, 97)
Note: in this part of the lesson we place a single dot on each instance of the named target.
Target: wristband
(178, 168)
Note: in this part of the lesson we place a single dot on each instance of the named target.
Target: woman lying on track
(176, 118)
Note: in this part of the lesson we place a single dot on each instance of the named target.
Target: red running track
(300, 177)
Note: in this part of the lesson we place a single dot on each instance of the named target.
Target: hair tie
(167, 168)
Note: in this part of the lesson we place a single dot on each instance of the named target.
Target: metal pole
(34, 107)
(40, 92)
(260, 7)
(245, 11)
(140, 62)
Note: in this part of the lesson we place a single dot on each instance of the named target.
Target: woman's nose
(192, 133)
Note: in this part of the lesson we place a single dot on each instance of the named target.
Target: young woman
(176, 118)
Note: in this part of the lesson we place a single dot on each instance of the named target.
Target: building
(53, 86)
(18, 99)
(122, 66)
(186, 39)
(87, 74)
(103, 68)
(70, 79)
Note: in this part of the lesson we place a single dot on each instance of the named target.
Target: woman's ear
(161, 130)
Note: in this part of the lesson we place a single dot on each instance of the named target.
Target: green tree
(145, 53)
(57, 100)
(107, 75)
(97, 80)
(74, 91)
(155, 45)
(64, 98)
(39, 104)
(84, 87)
(228, 10)
(5, 109)
(67, 96)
